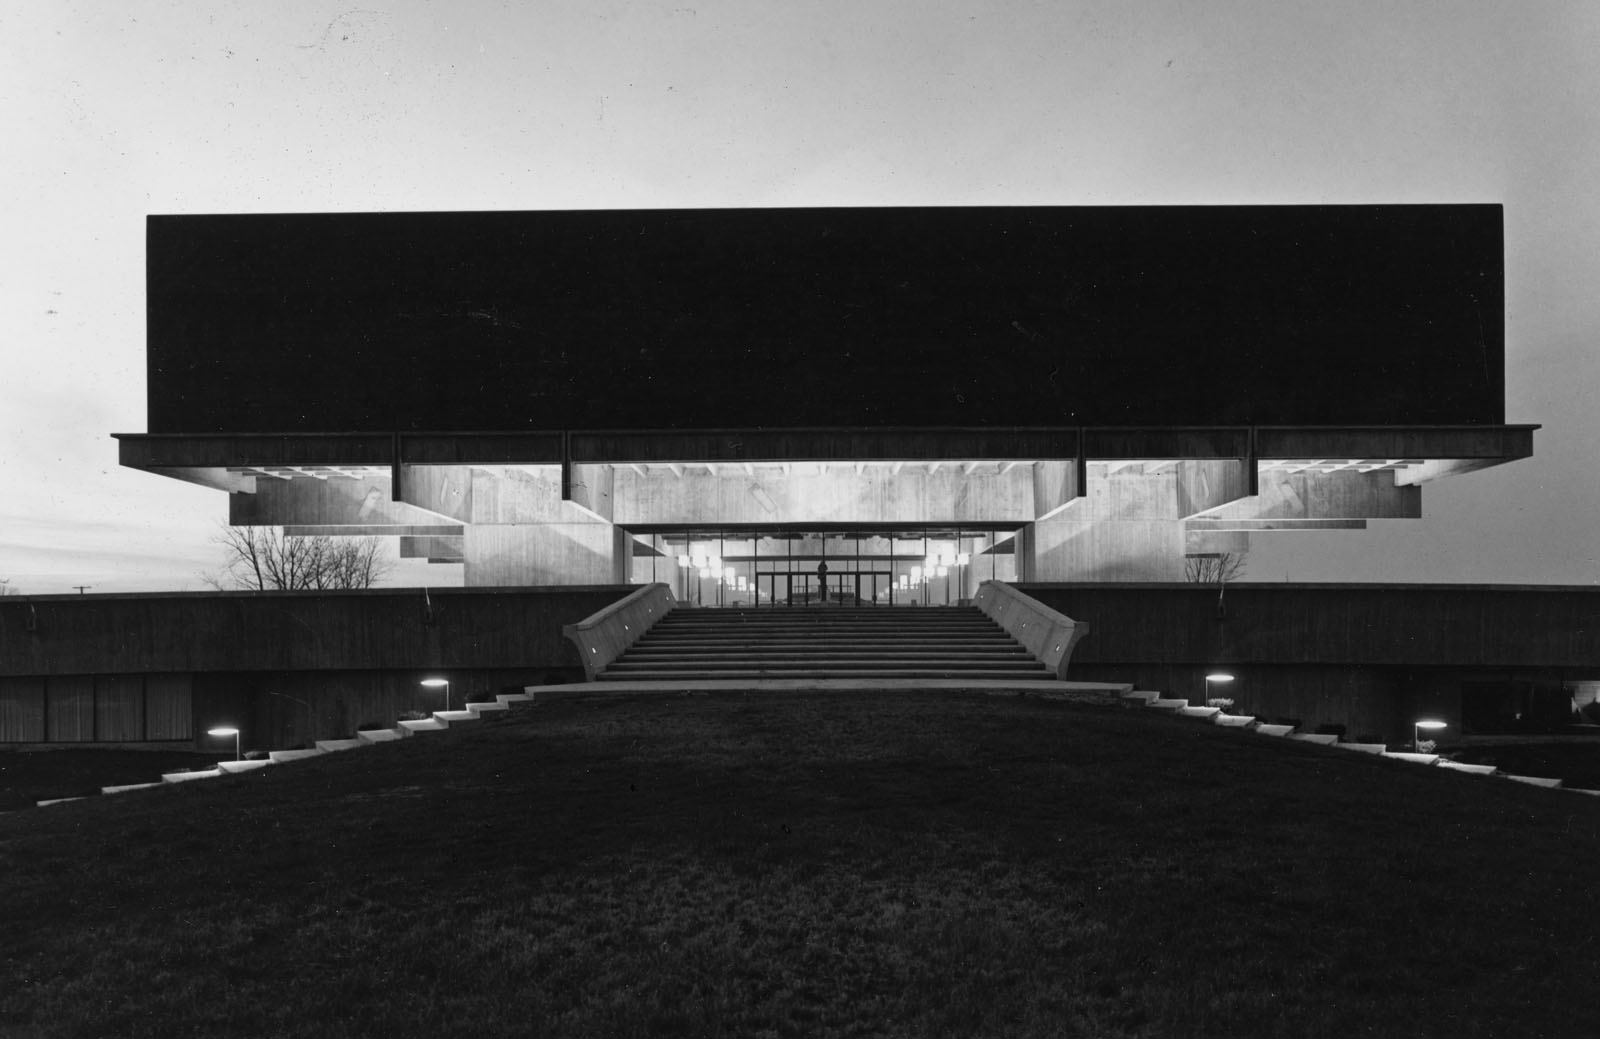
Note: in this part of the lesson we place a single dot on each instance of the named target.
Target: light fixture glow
(436, 683)
(1219, 676)
(1430, 724)
(228, 730)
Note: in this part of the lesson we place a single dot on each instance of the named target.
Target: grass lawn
(787, 865)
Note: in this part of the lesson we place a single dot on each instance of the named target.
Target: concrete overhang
(1483, 445)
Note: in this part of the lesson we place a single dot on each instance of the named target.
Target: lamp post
(1416, 731)
(435, 683)
(228, 730)
(1221, 678)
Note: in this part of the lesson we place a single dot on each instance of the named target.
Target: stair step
(1235, 721)
(1207, 713)
(184, 777)
(280, 756)
(1533, 780)
(377, 735)
(455, 716)
(125, 787)
(877, 664)
(1365, 748)
(1143, 695)
(423, 725)
(233, 767)
(1274, 730)
(1477, 770)
(683, 676)
(1165, 704)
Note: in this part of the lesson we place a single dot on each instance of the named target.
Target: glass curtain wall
(806, 567)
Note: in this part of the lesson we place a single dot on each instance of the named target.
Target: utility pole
(81, 587)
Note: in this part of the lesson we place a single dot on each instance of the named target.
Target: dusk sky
(110, 112)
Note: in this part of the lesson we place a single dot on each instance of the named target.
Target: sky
(110, 112)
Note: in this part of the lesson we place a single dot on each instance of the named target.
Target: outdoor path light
(228, 730)
(1416, 731)
(435, 683)
(1220, 677)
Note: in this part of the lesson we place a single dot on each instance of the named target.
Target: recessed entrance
(822, 566)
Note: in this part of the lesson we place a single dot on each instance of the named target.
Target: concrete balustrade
(1047, 634)
(604, 636)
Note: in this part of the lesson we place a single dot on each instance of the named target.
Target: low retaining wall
(1046, 633)
(604, 636)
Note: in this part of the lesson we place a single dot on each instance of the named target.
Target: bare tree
(1219, 568)
(264, 558)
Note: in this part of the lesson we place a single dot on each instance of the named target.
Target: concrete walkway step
(125, 787)
(451, 717)
(1167, 704)
(480, 709)
(1414, 758)
(423, 725)
(1364, 748)
(1458, 766)
(1145, 695)
(1550, 784)
(278, 757)
(1321, 739)
(1274, 730)
(234, 767)
(378, 735)
(330, 746)
(1235, 721)
(1206, 713)
(815, 673)
(184, 777)
(56, 801)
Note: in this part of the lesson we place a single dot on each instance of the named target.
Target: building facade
(919, 399)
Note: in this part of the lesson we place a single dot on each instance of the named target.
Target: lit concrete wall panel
(519, 495)
(1071, 547)
(540, 554)
(444, 489)
(335, 501)
(1125, 529)
(810, 493)
(1054, 484)
(1337, 495)
(1206, 483)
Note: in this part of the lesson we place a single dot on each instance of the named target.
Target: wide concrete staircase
(826, 642)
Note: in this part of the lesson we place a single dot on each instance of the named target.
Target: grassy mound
(792, 865)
